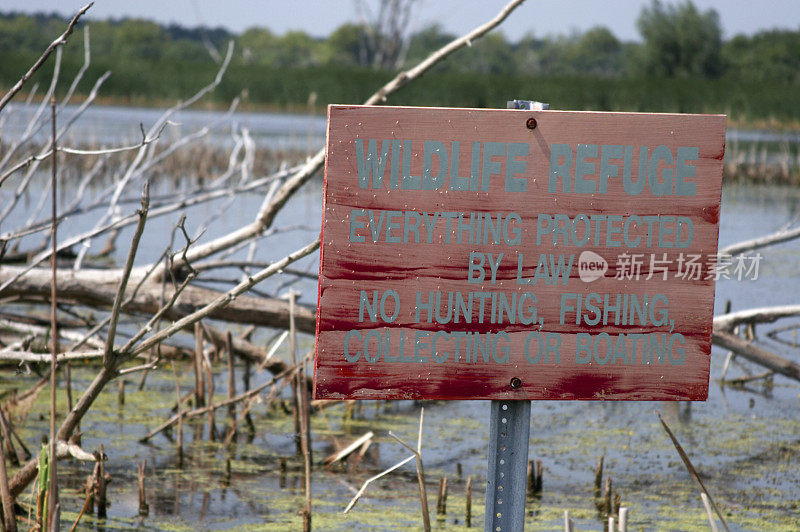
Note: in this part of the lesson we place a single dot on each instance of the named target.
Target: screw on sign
(464, 256)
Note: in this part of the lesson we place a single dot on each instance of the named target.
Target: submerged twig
(200, 411)
(420, 474)
(692, 470)
(423, 494)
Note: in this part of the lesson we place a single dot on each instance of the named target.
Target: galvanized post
(509, 431)
(509, 434)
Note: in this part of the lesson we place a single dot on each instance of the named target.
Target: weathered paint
(351, 261)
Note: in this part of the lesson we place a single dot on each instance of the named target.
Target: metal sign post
(509, 431)
(509, 434)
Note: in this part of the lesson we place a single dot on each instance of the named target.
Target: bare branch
(784, 235)
(62, 39)
(227, 297)
(28, 356)
(163, 209)
(727, 322)
(165, 308)
(9, 520)
(115, 309)
(397, 465)
(134, 169)
(86, 338)
(33, 163)
(87, 60)
(404, 78)
(756, 354)
(371, 479)
(76, 151)
(53, 487)
(34, 124)
(144, 367)
(347, 451)
(218, 264)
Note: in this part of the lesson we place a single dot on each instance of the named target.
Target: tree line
(679, 42)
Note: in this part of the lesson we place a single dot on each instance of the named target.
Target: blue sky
(319, 17)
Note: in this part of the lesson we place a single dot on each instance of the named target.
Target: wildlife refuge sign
(515, 254)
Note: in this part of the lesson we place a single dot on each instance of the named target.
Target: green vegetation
(682, 65)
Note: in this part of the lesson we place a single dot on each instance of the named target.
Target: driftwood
(347, 451)
(783, 235)
(97, 288)
(756, 354)
(690, 467)
(723, 335)
(69, 449)
(729, 321)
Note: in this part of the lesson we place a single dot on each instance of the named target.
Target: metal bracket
(528, 105)
(509, 434)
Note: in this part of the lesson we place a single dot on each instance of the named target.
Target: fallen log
(97, 288)
(756, 354)
(753, 316)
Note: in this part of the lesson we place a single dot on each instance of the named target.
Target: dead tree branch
(756, 354)
(225, 299)
(784, 235)
(727, 322)
(60, 40)
(97, 288)
(118, 298)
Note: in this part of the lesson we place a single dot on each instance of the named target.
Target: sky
(320, 17)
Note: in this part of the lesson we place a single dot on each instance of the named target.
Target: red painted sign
(479, 254)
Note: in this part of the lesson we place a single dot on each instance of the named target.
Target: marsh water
(744, 441)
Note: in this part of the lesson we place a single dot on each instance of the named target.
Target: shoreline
(767, 124)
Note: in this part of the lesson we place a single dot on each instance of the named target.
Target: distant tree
(22, 33)
(491, 55)
(425, 41)
(766, 56)
(140, 39)
(679, 41)
(257, 45)
(597, 52)
(347, 45)
(296, 49)
(185, 50)
(387, 31)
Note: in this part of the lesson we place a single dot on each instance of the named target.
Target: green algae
(747, 462)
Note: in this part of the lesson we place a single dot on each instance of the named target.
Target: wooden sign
(495, 254)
